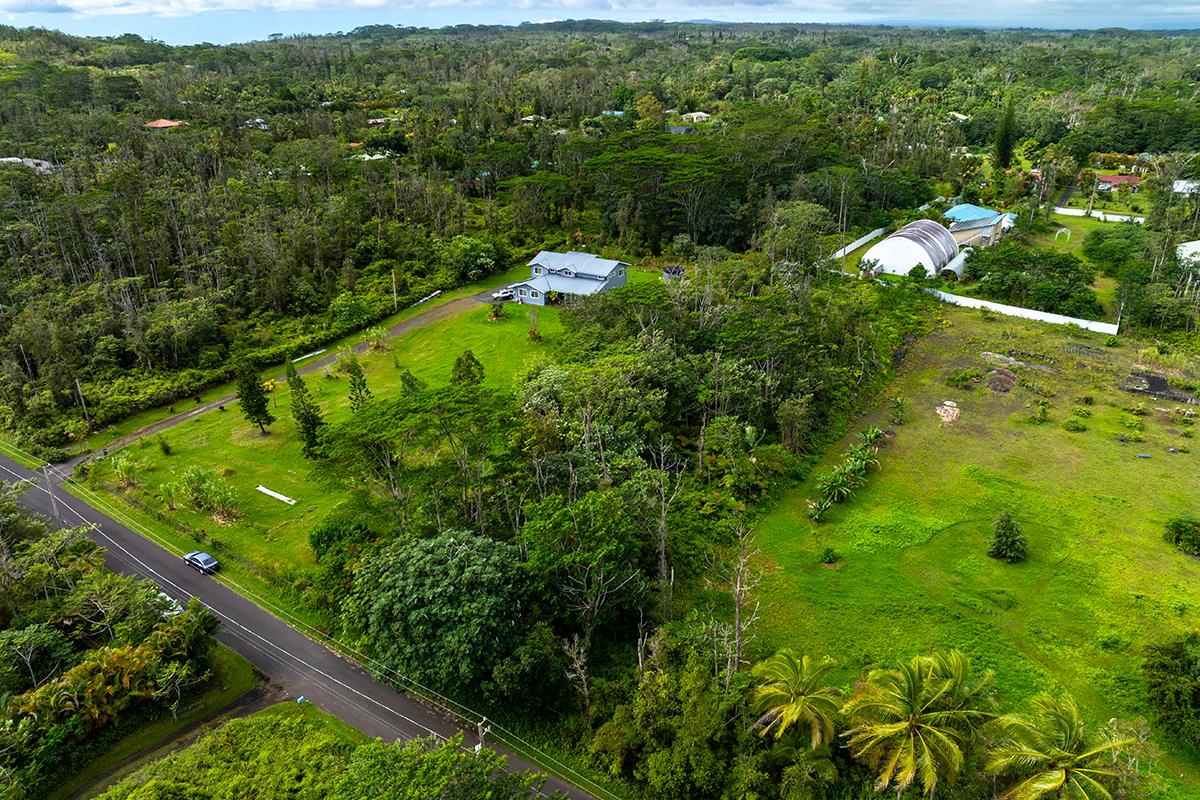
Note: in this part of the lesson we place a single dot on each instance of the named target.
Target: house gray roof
(562, 284)
(579, 263)
(977, 224)
(680, 129)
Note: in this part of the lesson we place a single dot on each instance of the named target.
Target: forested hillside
(315, 175)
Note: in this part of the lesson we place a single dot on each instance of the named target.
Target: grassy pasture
(1099, 583)
(269, 543)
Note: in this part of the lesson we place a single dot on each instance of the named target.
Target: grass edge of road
(567, 765)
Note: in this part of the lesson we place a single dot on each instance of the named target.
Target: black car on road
(201, 561)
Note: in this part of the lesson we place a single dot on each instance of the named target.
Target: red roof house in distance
(1106, 183)
(164, 123)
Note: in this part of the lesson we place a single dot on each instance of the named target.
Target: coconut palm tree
(791, 693)
(915, 723)
(1050, 754)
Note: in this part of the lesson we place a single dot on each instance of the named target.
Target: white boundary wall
(1025, 313)
(1100, 215)
(857, 243)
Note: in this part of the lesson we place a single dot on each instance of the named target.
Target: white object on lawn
(277, 495)
(298, 359)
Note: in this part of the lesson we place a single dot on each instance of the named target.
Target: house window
(535, 293)
(537, 270)
(521, 292)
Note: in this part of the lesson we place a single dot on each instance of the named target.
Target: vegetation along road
(291, 659)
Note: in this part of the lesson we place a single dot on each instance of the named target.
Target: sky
(224, 21)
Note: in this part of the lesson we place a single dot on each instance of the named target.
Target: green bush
(1008, 542)
(964, 379)
(1183, 531)
(1074, 425)
(829, 556)
(1172, 671)
(1112, 341)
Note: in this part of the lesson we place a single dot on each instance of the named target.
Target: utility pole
(83, 403)
(53, 497)
(395, 300)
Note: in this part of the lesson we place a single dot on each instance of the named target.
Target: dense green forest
(572, 552)
(146, 262)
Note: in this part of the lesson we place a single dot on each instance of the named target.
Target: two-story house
(554, 275)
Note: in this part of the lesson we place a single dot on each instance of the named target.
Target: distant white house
(1186, 187)
(376, 122)
(35, 164)
(697, 116)
(257, 123)
(532, 119)
(554, 275)
(923, 242)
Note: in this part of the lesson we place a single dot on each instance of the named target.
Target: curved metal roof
(931, 237)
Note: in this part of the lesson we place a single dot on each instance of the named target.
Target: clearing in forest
(1099, 583)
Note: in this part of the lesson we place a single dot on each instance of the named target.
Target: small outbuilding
(697, 116)
(924, 243)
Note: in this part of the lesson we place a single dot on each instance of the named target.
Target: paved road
(432, 315)
(289, 658)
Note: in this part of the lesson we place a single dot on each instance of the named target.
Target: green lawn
(1100, 582)
(233, 677)
(1079, 227)
(266, 549)
(1107, 201)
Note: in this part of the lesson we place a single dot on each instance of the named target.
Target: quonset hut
(923, 242)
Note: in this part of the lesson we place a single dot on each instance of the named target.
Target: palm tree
(791, 694)
(1051, 755)
(916, 722)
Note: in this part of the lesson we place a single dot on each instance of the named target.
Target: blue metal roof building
(965, 212)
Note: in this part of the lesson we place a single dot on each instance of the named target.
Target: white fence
(857, 243)
(1100, 215)
(1025, 313)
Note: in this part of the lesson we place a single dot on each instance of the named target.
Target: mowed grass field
(268, 545)
(1100, 582)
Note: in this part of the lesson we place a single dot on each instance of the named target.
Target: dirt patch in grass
(1152, 385)
(1002, 381)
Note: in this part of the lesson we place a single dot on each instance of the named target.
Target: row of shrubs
(200, 488)
(839, 484)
